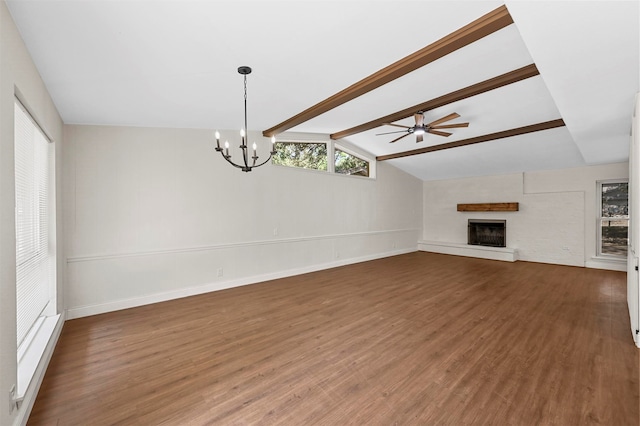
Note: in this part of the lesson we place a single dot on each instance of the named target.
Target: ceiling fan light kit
(245, 165)
(419, 129)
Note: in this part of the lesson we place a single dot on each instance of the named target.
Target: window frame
(600, 219)
(300, 141)
(331, 147)
(371, 162)
(31, 348)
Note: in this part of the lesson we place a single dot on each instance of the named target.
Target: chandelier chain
(245, 106)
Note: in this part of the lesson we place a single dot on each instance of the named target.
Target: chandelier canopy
(245, 164)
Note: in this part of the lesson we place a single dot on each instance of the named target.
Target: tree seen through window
(306, 155)
(348, 164)
(614, 218)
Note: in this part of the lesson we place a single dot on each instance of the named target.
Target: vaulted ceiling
(573, 64)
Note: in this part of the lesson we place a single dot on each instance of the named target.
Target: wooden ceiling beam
(485, 138)
(481, 27)
(473, 90)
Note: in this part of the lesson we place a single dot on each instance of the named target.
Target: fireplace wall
(556, 222)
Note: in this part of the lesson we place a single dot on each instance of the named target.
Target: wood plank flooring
(417, 339)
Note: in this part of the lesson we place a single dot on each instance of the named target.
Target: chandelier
(247, 162)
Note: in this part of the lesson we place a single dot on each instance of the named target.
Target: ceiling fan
(420, 128)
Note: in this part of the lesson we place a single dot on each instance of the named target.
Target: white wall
(18, 74)
(557, 218)
(152, 214)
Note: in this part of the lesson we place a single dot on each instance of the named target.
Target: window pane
(348, 164)
(615, 199)
(301, 154)
(615, 236)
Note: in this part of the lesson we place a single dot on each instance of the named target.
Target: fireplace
(486, 232)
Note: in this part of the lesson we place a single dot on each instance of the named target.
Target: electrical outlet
(12, 399)
(220, 272)
(275, 232)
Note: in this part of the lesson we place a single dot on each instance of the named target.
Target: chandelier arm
(265, 161)
(231, 162)
(246, 168)
(244, 153)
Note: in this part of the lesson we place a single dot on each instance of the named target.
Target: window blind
(33, 253)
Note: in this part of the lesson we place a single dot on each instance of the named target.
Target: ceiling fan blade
(397, 125)
(388, 133)
(419, 138)
(436, 132)
(450, 126)
(403, 136)
(443, 119)
(419, 119)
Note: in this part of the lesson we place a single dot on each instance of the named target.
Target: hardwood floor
(422, 339)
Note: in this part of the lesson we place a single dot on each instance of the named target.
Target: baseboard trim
(84, 311)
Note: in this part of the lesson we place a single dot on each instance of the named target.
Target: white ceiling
(173, 64)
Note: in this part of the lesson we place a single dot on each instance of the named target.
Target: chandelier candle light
(246, 165)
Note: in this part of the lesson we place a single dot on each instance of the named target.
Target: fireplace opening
(485, 232)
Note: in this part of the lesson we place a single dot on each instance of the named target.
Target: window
(36, 315)
(315, 154)
(613, 218)
(348, 164)
(306, 155)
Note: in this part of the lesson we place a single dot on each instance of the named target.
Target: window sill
(607, 262)
(31, 351)
(323, 172)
